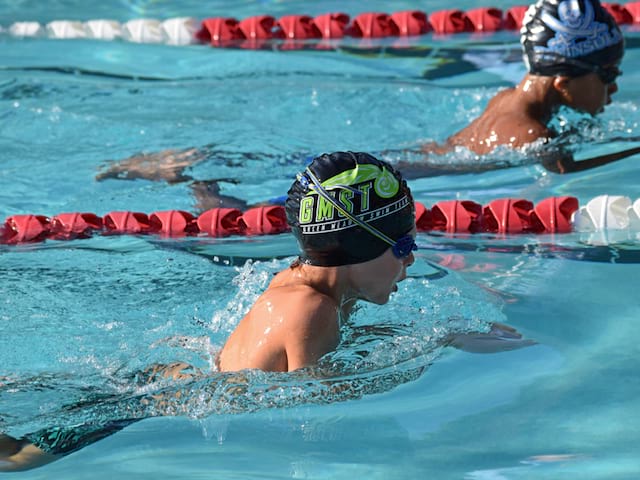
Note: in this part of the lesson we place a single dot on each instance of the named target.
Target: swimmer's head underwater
(347, 208)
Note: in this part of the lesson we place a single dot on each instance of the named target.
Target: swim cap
(555, 32)
(362, 186)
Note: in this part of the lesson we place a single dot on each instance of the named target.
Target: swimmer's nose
(409, 260)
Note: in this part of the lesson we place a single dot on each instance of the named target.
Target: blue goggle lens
(404, 246)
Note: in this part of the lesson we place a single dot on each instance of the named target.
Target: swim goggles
(401, 248)
(607, 74)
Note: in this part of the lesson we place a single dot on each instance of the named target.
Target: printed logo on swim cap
(577, 33)
(385, 184)
(359, 192)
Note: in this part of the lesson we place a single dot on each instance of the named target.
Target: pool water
(78, 319)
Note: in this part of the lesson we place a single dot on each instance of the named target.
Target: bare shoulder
(517, 129)
(305, 322)
(300, 324)
(301, 313)
(302, 305)
(310, 325)
(513, 119)
(527, 130)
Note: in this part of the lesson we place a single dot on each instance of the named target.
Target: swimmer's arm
(500, 338)
(423, 167)
(513, 131)
(166, 165)
(19, 455)
(564, 163)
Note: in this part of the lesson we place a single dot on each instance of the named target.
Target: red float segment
(255, 32)
(372, 25)
(411, 22)
(514, 16)
(457, 216)
(620, 14)
(221, 222)
(126, 223)
(298, 27)
(173, 223)
(67, 226)
(219, 31)
(450, 21)
(486, 19)
(332, 25)
(634, 10)
(507, 215)
(258, 28)
(25, 229)
(424, 221)
(265, 220)
(554, 214)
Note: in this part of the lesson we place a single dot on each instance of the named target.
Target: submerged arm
(424, 167)
(167, 165)
(500, 338)
(554, 162)
(18, 455)
(565, 163)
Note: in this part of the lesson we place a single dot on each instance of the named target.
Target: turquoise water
(79, 318)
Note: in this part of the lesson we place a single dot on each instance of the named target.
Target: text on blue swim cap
(577, 33)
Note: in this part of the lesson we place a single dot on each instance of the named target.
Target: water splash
(381, 348)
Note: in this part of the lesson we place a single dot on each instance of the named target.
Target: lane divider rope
(296, 31)
(553, 215)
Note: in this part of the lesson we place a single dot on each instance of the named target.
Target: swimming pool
(79, 318)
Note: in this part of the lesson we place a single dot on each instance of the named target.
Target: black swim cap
(555, 32)
(365, 187)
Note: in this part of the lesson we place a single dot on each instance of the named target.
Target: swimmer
(572, 51)
(353, 217)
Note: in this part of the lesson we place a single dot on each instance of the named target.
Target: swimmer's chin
(393, 291)
(382, 299)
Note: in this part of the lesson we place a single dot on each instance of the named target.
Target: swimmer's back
(504, 122)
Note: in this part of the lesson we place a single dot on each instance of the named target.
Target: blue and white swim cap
(554, 32)
(334, 190)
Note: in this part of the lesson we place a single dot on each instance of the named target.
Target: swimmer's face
(590, 93)
(377, 279)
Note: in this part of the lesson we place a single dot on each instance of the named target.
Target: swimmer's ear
(561, 86)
